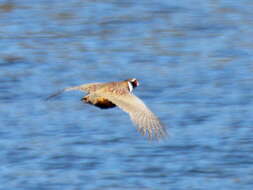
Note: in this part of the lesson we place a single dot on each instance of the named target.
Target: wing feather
(140, 114)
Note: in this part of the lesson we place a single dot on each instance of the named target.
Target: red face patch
(135, 83)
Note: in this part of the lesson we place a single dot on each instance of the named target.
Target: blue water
(194, 62)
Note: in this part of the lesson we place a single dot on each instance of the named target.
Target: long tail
(64, 90)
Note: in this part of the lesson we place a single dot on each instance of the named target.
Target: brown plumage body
(112, 94)
(117, 88)
(98, 102)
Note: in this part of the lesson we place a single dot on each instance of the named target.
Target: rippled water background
(194, 61)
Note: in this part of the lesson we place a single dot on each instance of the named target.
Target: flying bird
(120, 94)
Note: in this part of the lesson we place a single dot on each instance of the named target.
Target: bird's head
(132, 83)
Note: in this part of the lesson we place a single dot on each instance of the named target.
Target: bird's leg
(86, 100)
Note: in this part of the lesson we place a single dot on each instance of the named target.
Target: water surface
(194, 63)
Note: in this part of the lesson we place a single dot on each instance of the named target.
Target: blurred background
(193, 59)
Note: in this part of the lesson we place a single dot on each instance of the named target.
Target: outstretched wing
(91, 87)
(146, 121)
